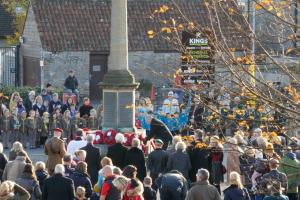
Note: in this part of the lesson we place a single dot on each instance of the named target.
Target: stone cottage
(60, 35)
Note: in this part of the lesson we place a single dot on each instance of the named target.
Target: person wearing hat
(55, 150)
(291, 167)
(274, 176)
(157, 161)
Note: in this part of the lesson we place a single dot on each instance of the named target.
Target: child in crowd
(16, 125)
(23, 136)
(80, 193)
(6, 127)
(45, 128)
(55, 123)
(66, 125)
(84, 121)
(73, 110)
(39, 122)
(149, 193)
(76, 123)
(46, 105)
(92, 122)
(31, 126)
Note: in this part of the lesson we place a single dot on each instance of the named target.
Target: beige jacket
(14, 169)
(202, 190)
(55, 149)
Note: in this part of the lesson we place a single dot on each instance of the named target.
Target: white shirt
(75, 145)
(170, 106)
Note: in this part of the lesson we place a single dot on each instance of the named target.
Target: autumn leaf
(151, 34)
(166, 30)
(163, 9)
(191, 26)
(180, 27)
(289, 50)
(258, 7)
(231, 11)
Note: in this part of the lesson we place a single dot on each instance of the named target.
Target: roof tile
(84, 25)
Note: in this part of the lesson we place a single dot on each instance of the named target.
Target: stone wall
(156, 67)
(57, 67)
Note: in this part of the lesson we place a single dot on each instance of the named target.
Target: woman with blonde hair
(14, 100)
(12, 191)
(39, 106)
(16, 147)
(233, 161)
(236, 190)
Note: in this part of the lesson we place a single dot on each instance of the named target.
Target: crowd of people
(32, 120)
(191, 168)
(197, 146)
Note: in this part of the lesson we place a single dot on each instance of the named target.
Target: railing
(9, 66)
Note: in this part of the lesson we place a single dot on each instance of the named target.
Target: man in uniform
(55, 149)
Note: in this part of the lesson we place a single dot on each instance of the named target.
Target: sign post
(197, 60)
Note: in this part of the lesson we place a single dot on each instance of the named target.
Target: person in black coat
(81, 178)
(71, 82)
(58, 187)
(157, 161)
(117, 152)
(136, 157)
(158, 130)
(92, 159)
(3, 160)
(86, 108)
(41, 173)
(149, 193)
(199, 156)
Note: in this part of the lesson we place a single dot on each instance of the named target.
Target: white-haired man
(180, 160)
(58, 186)
(135, 157)
(93, 158)
(117, 152)
(202, 190)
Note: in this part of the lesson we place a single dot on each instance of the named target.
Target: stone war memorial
(119, 84)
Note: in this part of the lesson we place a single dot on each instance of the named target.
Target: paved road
(34, 154)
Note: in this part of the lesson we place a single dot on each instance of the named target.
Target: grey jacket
(14, 169)
(28, 182)
(202, 190)
(179, 161)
